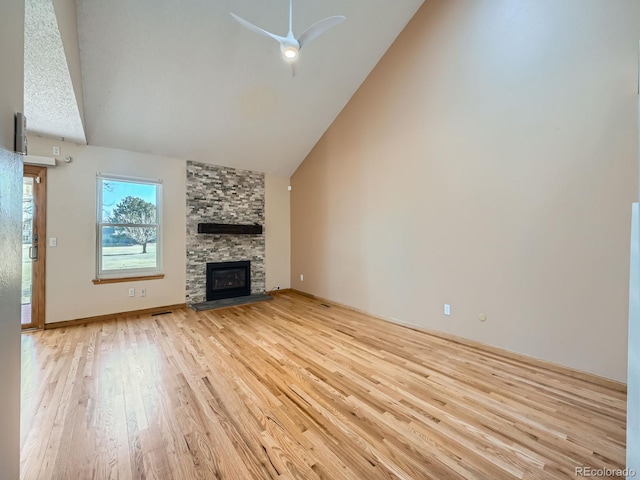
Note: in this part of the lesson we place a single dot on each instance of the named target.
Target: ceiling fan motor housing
(290, 48)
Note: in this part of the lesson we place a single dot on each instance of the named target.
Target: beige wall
(11, 101)
(489, 162)
(12, 77)
(71, 207)
(277, 232)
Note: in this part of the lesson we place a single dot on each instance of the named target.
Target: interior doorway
(34, 214)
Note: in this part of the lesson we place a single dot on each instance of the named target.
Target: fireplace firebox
(228, 280)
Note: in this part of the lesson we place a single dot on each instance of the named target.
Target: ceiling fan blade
(255, 29)
(319, 28)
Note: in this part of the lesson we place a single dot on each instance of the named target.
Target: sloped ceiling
(50, 101)
(181, 78)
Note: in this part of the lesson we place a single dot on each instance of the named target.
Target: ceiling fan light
(290, 52)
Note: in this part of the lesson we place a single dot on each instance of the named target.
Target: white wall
(490, 162)
(71, 190)
(11, 101)
(633, 381)
(71, 207)
(277, 232)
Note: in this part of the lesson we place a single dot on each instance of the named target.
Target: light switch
(53, 242)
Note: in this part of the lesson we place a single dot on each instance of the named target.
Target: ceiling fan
(290, 45)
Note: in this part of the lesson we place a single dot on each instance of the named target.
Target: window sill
(102, 281)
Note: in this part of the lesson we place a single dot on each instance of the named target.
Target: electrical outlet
(56, 151)
(447, 309)
(143, 292)
(301, 278)
(132, 292)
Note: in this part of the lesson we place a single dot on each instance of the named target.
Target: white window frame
(128, 272)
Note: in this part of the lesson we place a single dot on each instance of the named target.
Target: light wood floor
(293, 389)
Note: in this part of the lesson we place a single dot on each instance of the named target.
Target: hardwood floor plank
(296, 389)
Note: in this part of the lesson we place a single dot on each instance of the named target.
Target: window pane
(128, 247)
(27, 238)
(128, 202)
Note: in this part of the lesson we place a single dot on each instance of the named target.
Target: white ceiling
(181, 78)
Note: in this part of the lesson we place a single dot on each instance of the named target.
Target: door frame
(39, 228)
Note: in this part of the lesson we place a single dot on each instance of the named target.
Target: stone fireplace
(223, 195)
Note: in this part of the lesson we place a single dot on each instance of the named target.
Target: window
(129, 227)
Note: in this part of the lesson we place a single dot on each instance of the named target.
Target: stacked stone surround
(223, 195)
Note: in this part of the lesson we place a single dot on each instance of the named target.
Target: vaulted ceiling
(181, 78)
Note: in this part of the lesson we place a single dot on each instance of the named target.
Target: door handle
(33, 253)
